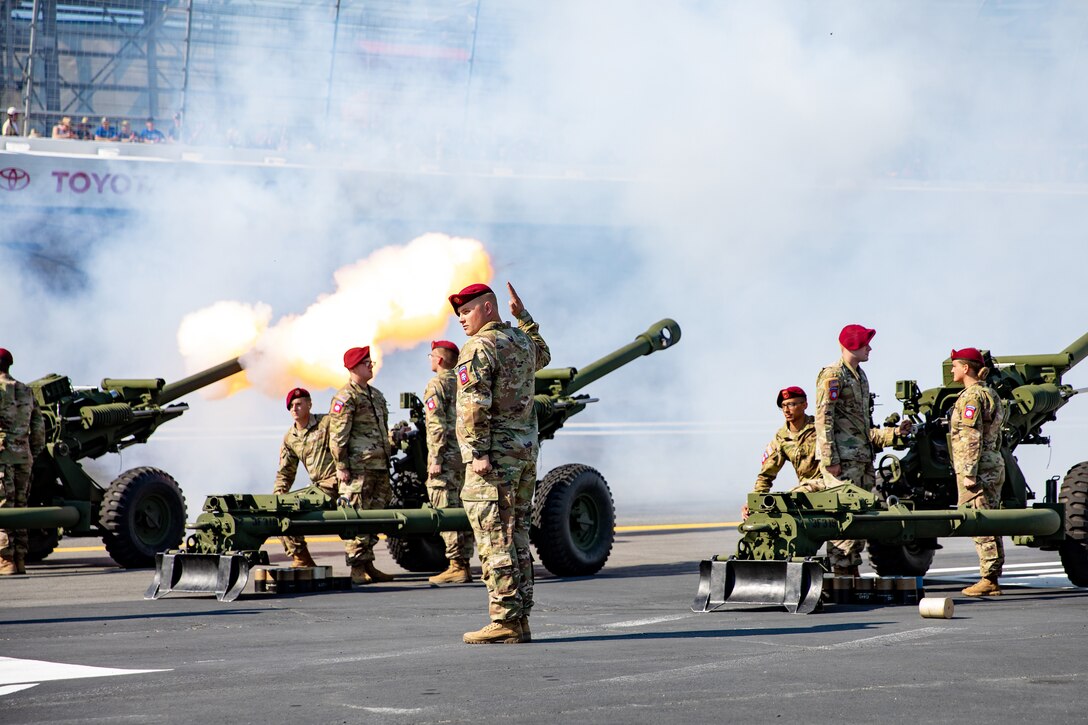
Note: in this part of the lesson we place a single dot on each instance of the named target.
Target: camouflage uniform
(845, 435)
(310, 447)
(359, 443)
(444, 489)
(798, 448)
(975, 433)
(22, 437)
(495, 418)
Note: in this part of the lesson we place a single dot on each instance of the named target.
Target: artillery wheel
(1074, 548)
(418, 553)
(143, 514)
(573, 521)
(900, 559)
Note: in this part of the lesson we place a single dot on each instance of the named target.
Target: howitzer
(780, 539)
(142, 512)
(573, 524)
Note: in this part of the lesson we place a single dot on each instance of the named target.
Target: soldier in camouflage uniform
(360, 446)
(22, 438)
(498, 436)
(846, 439)
(445, 469)
(306, 441)
(975, 433)
(795, 442)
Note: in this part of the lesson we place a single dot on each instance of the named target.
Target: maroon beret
(791, 392)
(296, 393)
(855, 337)
(5, 356)
(356, 355)
(968, 353)
(468, 294)
(445, 345)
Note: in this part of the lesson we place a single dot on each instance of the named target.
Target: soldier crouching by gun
(795, 442)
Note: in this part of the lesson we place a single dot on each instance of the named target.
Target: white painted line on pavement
(28, 673)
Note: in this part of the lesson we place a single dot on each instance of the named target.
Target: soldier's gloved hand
(745, 512)
(971, 484)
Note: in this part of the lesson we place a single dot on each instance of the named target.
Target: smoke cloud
(764, 173)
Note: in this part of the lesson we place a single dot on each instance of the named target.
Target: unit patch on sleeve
(462, 374)
(969, 412)
(337, 405)
(767, 452)
(432, 403)
(833, 388)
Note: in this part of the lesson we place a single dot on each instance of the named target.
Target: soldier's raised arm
(529, 326)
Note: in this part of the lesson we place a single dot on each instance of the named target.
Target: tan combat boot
(457, 573)
(986, 587)
(496, 633)
(8, 567)
(374, 574)
(302, 559)
(526, 634)
(359, 575)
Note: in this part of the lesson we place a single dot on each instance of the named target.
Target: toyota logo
(13, 179)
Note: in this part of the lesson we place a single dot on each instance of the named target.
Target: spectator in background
(64, 129)
(126, 134)
(150, 134)
(83, 130)
(11, 123)
(105, 132)
(174, 133)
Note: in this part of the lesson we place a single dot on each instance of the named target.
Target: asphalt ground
(622, 646)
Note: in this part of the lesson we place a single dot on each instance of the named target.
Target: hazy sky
(787, 168)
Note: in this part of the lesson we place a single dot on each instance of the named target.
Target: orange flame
(394, 299)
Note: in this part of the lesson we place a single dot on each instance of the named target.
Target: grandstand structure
(263, 73)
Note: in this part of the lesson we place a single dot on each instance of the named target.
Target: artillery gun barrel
(658, 336)
(175, 390)
(40, 517)
(1062, 361)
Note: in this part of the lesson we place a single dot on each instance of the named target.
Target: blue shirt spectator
(105, 132)
(152, 134)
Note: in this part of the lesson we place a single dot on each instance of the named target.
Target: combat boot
(359, 575)
(374, 574)
(508, 632)
(20, 561)
(457, 573)
(526, 633)
(8, 567)
(301, 559)
(986, 587)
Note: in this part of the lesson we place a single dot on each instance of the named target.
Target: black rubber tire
(1074, 548)
(143, 514)
(900, 559)
(421, 554)
(40, 544)
(574, 521)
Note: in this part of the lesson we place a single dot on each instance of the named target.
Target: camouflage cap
(296, 393)
(356, 355)
(468, 294)
(791, 392)
(968, 353)
(855, 337)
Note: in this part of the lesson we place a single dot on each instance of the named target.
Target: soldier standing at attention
(846, 439)
(795, 442)
(22, 437)
(359, 442)
(306, 441)
(498, 436)
(975, 430)
(445, 469)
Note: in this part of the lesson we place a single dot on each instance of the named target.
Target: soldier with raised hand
(846, 439)
(306, 442)
(975, 430)
(445, 469)
(22, 438)
(498, 436)
(795, 442)
(359, 442)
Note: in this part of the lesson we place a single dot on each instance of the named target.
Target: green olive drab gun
(142, 512)
(573, 523)
(915, 501)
